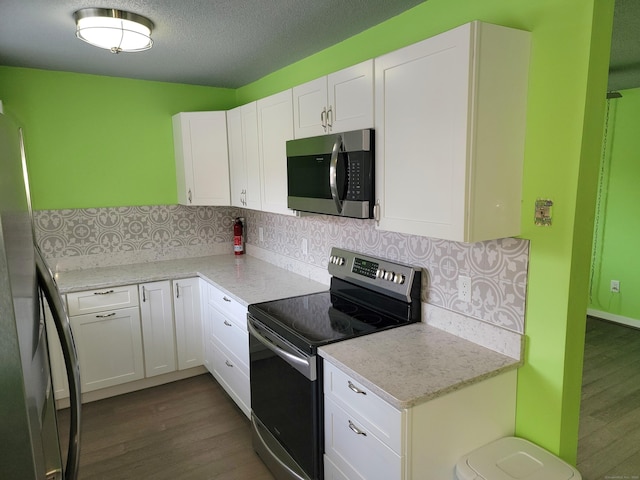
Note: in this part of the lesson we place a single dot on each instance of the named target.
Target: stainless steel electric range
(367, 295)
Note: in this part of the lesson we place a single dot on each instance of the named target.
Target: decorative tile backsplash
(113, 236)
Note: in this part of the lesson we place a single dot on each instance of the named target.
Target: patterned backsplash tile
(113, 236)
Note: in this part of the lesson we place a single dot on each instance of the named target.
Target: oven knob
(389, 275)
(380, 273)
(341, 261)
(398, 278)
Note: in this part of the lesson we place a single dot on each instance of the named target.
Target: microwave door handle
(333, 173)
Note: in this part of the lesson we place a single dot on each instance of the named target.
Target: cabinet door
(310, 108)
(202, 164)
(188, 321)
(275, 127)
(450, 123)
(157, 328)
(244, 161)
(421, 124)
(350, 98)
(251, 155)
(109, 347)
(237, 165)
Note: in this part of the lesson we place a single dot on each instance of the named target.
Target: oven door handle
(303, 365)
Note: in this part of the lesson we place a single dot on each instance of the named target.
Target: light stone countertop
(405, 366)
(245, 278)
(413, 364)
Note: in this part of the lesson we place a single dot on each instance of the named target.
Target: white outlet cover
(464, 288)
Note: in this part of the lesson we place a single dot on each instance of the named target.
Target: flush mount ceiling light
(114, 30)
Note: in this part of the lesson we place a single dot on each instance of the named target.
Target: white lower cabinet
(187, 312)
(158, 333)
(108, 337)
(227, 345)
(367, 438)
(109, 346)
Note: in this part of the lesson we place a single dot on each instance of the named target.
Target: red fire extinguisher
(238, 244)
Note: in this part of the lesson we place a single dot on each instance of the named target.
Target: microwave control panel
(359, 173)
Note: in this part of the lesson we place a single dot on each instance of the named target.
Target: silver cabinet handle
(226, 299)
(144, 294)
(356, 430)
(189, 195)
(228, 363)
(355, 389)
(323, 118)
(106, 292)
(227, 324)
(330, 117)
(177, 290)
(106, 315)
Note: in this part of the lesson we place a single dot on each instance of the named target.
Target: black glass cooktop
(309, 321)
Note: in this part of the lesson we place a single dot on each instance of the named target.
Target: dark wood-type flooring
(609, 439)
(192, 430)
(183, 430)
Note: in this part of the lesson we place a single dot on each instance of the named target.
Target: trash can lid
(511, 458)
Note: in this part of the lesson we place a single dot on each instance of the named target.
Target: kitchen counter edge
(410, 365)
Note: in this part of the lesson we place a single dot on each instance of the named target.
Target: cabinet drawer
(233, 379)
(233, 338)
(111, 298)
(377, 415)
(354, 449)
(233, 309)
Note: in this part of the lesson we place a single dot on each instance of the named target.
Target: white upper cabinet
(339, 102)
(244, 162)
(275, 127)
(202, 164)
(450, 126)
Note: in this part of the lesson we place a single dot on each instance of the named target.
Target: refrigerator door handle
(48, 285)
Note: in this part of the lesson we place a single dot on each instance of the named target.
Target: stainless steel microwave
(332, 174)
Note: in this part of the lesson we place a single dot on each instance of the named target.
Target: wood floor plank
(609, 439)
(188, 429)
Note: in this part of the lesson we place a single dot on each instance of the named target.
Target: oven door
(285, 404)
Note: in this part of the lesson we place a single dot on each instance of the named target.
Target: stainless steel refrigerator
(30, 448)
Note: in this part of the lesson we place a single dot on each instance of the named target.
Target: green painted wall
(101, 141)
(569, 57)
(568, 70)
(618, 226)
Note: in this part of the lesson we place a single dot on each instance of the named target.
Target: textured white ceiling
(229, 43)
(223, 43)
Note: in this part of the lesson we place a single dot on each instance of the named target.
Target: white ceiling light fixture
(114, 30)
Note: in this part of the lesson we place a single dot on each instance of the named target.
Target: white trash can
(511, 458)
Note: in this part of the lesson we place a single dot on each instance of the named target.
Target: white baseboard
(612, 317)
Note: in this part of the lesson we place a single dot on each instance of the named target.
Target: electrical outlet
(305, 247)
(261, 234)
(615, 286)
(464, 288)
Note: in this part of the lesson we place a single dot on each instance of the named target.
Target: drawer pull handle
(356, 430)
(226, 299)
(106, 315)
(106, 292)
(228, 364)
(227, 324)
(355, 389)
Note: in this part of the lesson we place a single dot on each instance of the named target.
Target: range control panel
(386, 276)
